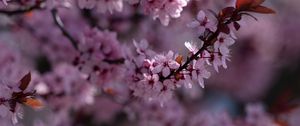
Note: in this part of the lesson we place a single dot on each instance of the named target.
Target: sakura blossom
(202, 22)
(165, 64)
(222, 44)
(149, 63)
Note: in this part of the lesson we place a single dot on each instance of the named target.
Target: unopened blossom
(202, 22)
(165, 63)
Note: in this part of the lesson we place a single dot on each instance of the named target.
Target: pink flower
(164, 10)
(149, 87)
(192, 47)
(109, 5)
(202, 23)
(166, 63)
(200, 72)
(221, 51)
(95, 47)
(142, 48)
(172, 8)
(167, 91)
(218, 59)
(223, 42)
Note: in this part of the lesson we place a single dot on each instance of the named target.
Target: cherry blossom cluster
(60, 90)
(163, 10)
(144, 72)
(93, 77)
(156, 76)
(100, 56)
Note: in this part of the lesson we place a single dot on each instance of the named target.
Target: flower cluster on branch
(80, 61)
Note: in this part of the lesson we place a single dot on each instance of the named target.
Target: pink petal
(166, 71)
(193, 24)
(173, 65)
(157, 69)
(201, 15)
(201, 82)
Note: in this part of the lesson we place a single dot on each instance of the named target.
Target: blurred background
(264, 66)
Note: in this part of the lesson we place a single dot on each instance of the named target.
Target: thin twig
(207, 43)
(20, 11)
(115, 61)
(60, 25)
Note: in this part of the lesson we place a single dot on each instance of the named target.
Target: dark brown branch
(115, 61)
(195, 56)
(58, 22)
(209, 41)
(21, 11)
(38, 6)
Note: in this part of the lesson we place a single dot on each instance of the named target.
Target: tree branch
(20, 11)
(209, 41)
(58, 22)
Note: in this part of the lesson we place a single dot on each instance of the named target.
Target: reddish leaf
(242, 4)
(33, 103)
(236, 25)
(227, 12)
(24, 82)
(257, 2)
(262, 9)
